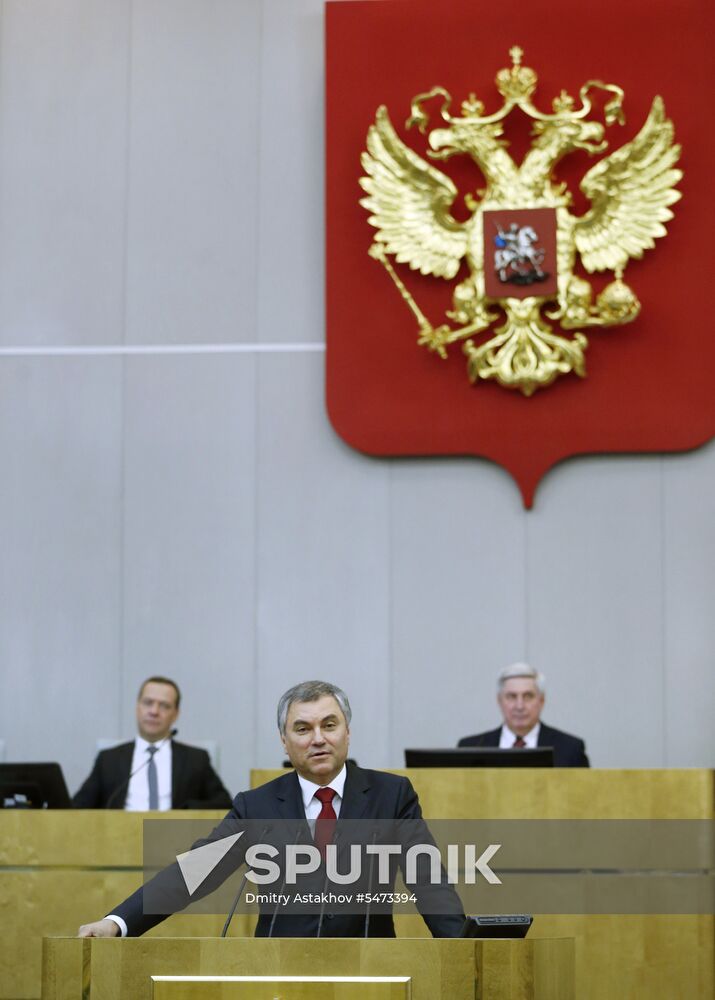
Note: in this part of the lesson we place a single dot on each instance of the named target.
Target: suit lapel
(125, 752)
(123, 763)
(289, 800)
(289, 807)
(355, 797)
(356, 800)
(546, 737)
(178, 770)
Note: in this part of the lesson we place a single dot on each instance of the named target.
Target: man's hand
(100, 928)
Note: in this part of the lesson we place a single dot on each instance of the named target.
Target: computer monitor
(501, 925)
(33, 786)
(481, 757)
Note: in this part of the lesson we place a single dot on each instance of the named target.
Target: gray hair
(522, 670)
(311, 691)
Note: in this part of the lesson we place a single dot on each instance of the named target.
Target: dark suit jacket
(569, 751)
(194, 783)
(367, 795)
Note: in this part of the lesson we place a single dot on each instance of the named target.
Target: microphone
(283, 883)
(369, 882)
(242, 886)
(125, 784)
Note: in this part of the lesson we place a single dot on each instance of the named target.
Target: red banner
(647, 384)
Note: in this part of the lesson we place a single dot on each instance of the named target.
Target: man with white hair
(520, 694)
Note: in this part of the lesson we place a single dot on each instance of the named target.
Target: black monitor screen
(33, 786)
(481, 757)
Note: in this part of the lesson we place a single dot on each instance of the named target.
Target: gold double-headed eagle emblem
(520, 241)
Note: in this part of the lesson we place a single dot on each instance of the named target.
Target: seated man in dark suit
(521, 699)
(323, 792)
(153, 772)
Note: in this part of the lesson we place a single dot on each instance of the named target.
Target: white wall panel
(689, 626)
(161, 183)
(63, 150)
(193, 172)
(291, 163)
(457, 597)
(188, 544)
(60, 520)
(595, 605)
(322, 575)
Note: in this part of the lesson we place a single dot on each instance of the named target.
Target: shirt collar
(531, 738)
(141, 745)
(309, 788)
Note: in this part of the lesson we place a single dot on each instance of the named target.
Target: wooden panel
(642, 957)
(125, 971)
(83, 838)
(446, 969)
(556, 793)
(63, 968)
(279, 988)
(554, 969)
(60, 869)
(41, 903)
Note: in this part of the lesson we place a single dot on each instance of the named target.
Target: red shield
(648, 384)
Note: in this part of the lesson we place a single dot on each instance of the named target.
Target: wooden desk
(634, 957)
(439, 969)
(556, 793)
(60, 869)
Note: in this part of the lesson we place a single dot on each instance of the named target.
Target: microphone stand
(283, 884)
(325, 883)
(369, 882)
(231, 912)
(242, 886)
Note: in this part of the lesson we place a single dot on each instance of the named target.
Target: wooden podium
(60, 869)
(383, 969)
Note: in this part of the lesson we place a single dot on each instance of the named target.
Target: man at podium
(319, 798)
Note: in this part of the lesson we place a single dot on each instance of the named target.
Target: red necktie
(325, 823)
(520, 741)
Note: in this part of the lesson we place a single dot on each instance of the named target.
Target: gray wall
(167, 505)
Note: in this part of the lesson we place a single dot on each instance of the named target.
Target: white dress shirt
(531, 739)
(312, 805)
(138, 791)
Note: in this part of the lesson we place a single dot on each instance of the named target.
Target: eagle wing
(630, 192)
(409, 201)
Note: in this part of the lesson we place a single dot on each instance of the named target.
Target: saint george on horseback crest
(516, 257)
(521, 241)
